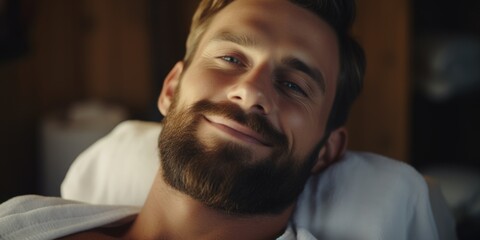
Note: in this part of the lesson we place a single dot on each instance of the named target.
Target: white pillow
(363, 196)
(118, 169)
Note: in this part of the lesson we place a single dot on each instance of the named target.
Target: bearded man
(255, 109)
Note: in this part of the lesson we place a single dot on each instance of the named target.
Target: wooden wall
(117, 52)
(77, 50)
(379, 121)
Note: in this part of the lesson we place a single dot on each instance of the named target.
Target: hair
(339, 14)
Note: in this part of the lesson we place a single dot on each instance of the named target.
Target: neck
(169, 214)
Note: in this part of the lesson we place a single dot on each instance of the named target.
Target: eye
(231, 59)
(293, 87)
(292, 83)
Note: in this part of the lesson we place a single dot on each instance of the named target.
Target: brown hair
(339, 14)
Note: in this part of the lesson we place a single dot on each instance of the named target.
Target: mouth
(236, 130)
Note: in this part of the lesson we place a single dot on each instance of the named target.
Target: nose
(253, 92)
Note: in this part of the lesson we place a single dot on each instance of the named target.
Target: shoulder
(375, 196)
(368, 174)
(378, 167)
(373, 170)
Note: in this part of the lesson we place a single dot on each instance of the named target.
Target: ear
(170, 84)
(333, 149)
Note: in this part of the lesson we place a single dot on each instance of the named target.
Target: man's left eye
(231, 59)
(294, 87)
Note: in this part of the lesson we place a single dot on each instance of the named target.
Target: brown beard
(225, 177)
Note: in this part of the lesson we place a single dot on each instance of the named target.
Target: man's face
(252, 106)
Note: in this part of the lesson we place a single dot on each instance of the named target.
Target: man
(257, 106)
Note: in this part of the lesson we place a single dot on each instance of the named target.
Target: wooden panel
(117, 51)
(54, 66)
(47, 76)
(17, 174)
(169, 39)
(77, 50)
(379, 119)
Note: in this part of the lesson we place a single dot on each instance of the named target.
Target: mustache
(254, 121)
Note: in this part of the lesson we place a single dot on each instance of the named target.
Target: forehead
(282, 27)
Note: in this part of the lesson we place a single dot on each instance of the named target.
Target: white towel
(32, 217)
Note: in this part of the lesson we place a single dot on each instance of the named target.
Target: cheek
(305, 130)
(203, 84)
(295, 121)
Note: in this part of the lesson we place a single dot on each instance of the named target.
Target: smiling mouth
(236, 130)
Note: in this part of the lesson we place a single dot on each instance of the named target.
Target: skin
(243, 73)
(261, 74)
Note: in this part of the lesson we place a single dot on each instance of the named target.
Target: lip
(236, 130)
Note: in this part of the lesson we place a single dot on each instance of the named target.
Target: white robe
(33, 217)
(363, 196)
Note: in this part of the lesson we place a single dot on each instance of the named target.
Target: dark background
(445, 131)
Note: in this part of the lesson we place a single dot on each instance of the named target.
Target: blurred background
(71, 70)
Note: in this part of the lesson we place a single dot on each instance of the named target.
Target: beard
(225, 177)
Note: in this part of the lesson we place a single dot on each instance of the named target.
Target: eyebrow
(240, 39)
(291, 62)
(313, 73)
